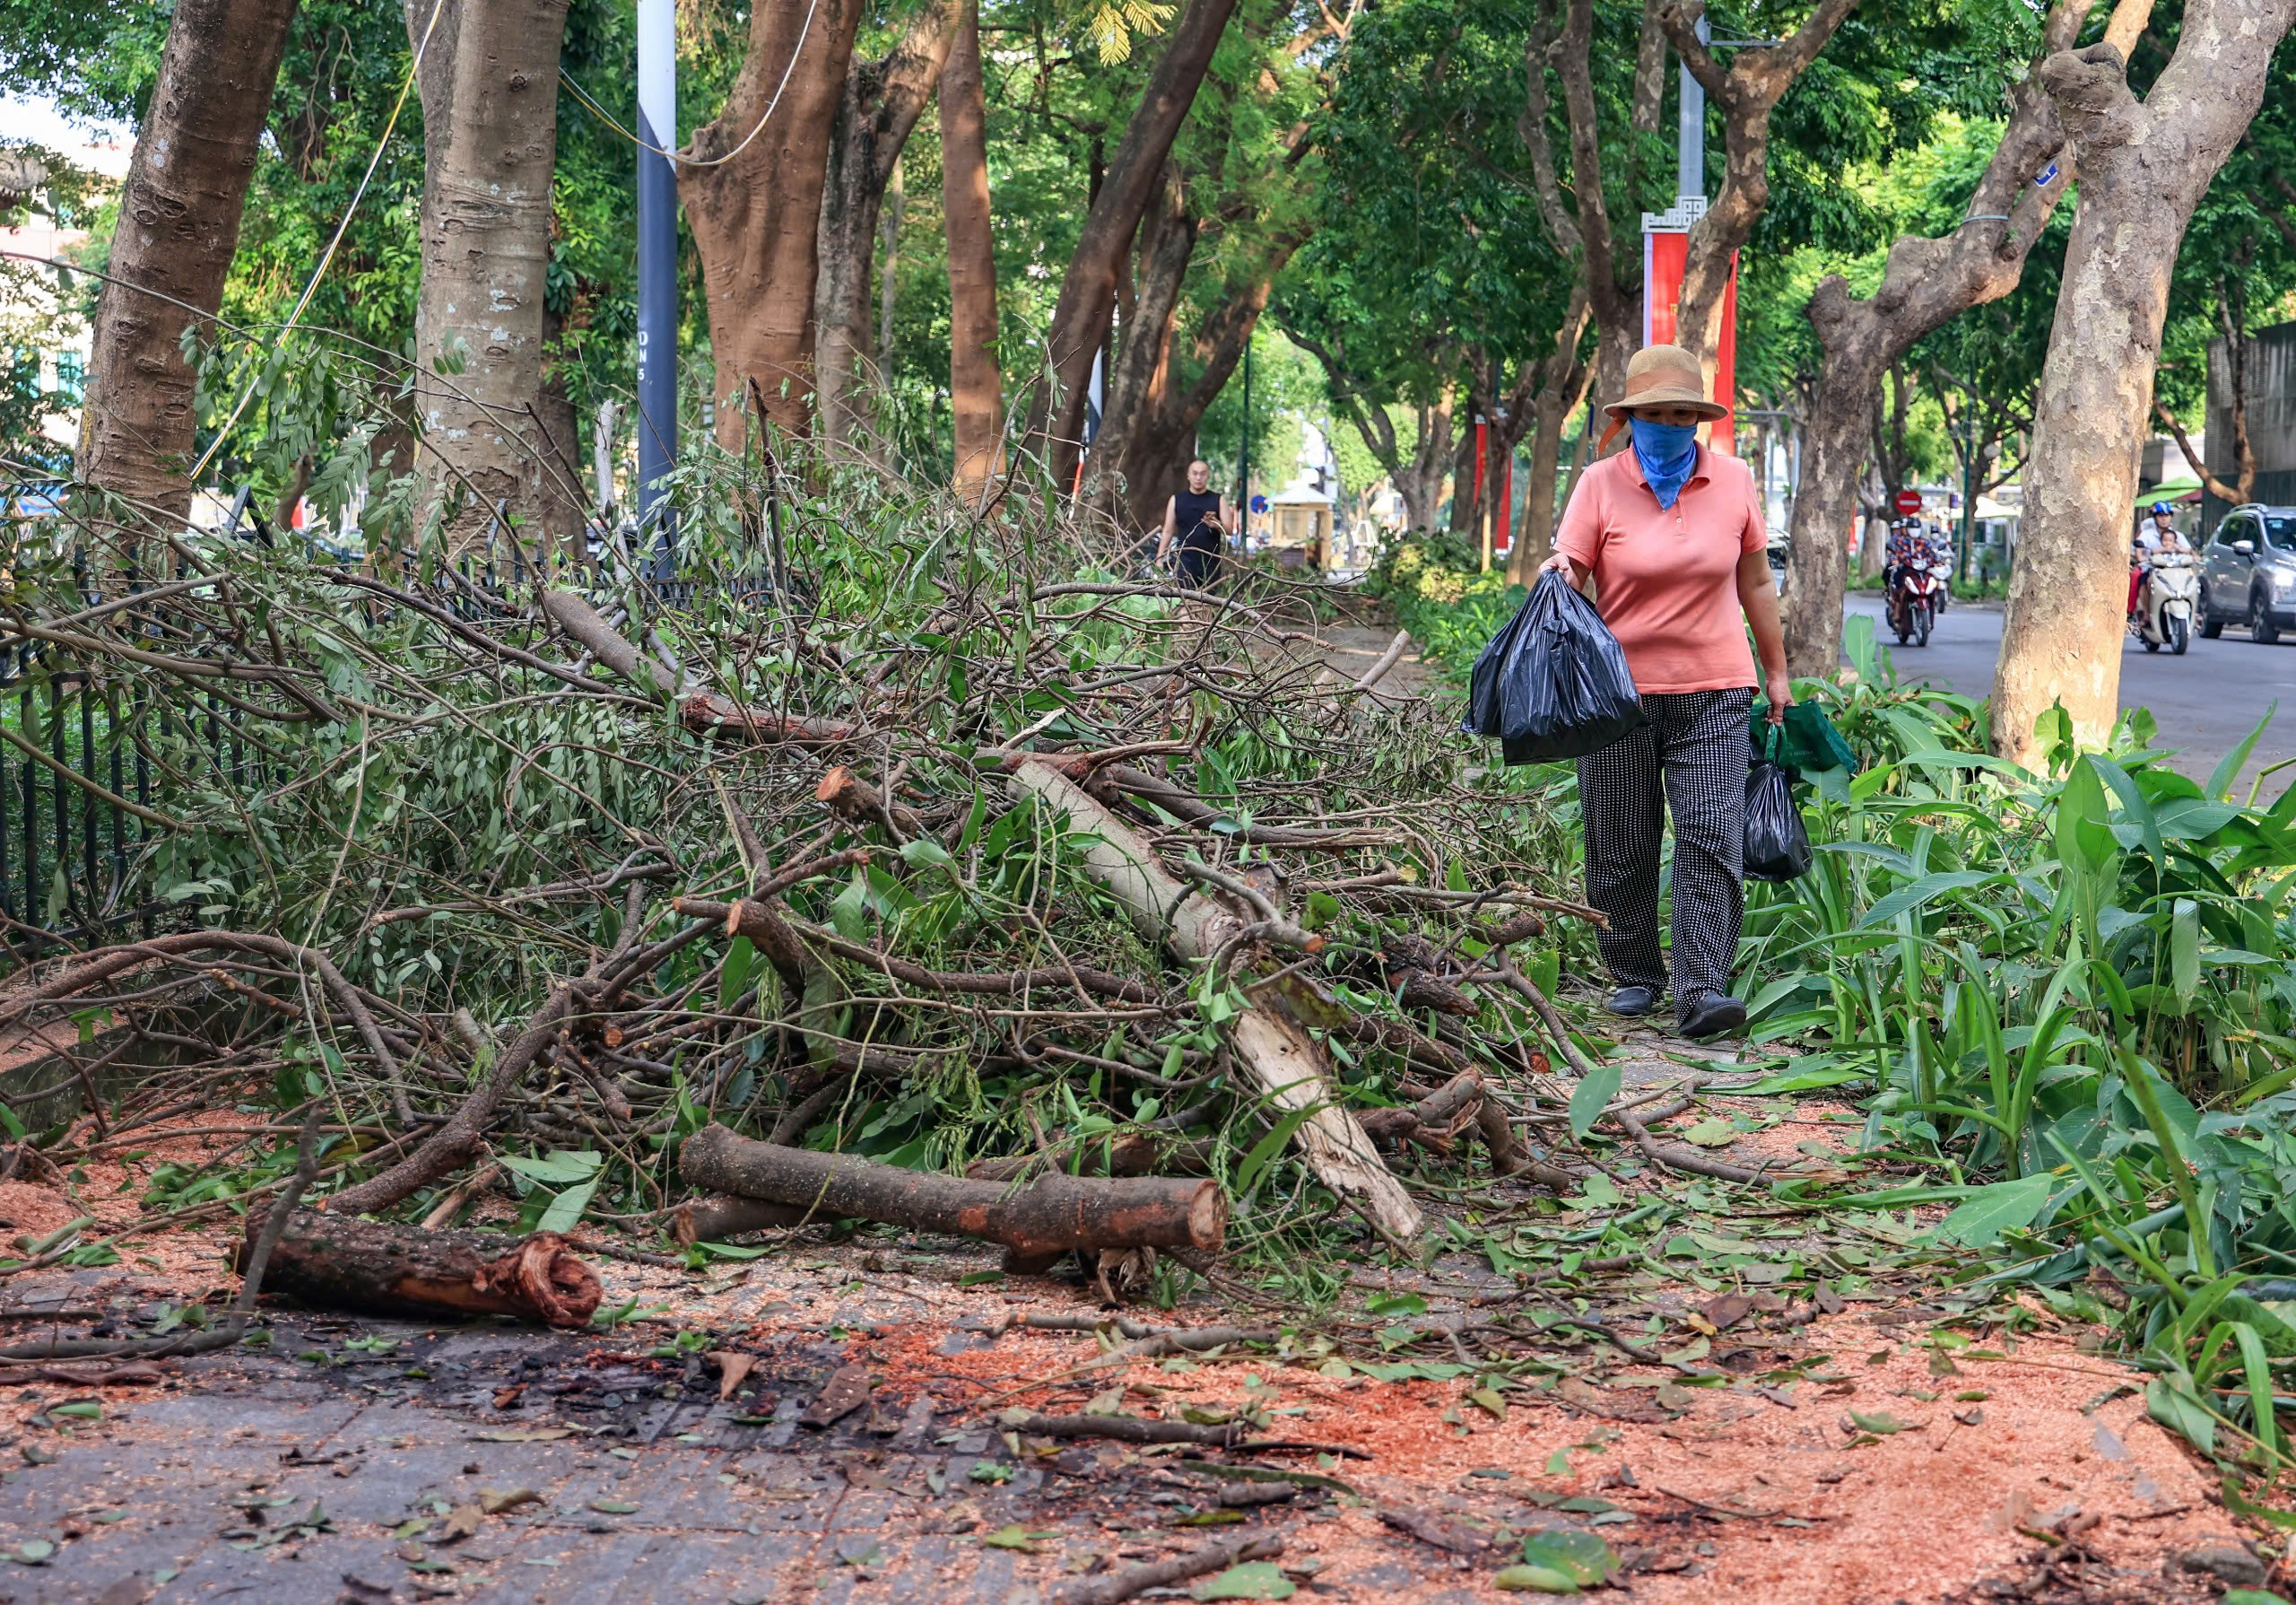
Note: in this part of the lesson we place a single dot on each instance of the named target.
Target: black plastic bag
(1777, 847)
(1553, 682)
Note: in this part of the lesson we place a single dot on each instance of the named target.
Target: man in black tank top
(1197, 521)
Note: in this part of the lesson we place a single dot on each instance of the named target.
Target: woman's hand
(1561, 564)
(1781, 697)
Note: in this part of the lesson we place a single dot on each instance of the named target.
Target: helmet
(2161, 507)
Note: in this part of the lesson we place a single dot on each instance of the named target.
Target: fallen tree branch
(1135, 1429)
(332, 1261)
(762, 924)
(1215, 1557)
(1275, 1050)
(1054, 1214)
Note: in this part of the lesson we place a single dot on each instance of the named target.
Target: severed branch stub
(1053, 1216)
(339, 1262)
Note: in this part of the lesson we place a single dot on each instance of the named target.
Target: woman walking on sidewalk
(1672, 533)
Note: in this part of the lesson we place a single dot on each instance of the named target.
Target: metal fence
(81, 751)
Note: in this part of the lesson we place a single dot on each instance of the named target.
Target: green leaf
(734, 975)
(1397, 1303)
(1580, 1557)
(560, 1168)
(2184, 950)
(1802, 1081)
(2228, 768)
(2170, 1401)
(922, 854)
(1535, 1580)
(1881, 1423)
(1017, 1537)
(565, 1210)
(2139, 812)
(1989, 1211)
(1595, 1090)
(1906, 899)
(1265, 1150)
(613, 1507)
(1252, 1580)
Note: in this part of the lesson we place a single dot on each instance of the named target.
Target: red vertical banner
(1664, 254)
(1504, 514)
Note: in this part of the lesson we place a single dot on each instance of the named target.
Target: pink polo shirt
(1666, 578)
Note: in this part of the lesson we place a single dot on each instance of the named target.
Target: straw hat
(1664, 376)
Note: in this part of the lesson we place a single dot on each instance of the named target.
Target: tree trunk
(1563, 40)
(1924, 284)
(1055, 1214)
(878, 110)
(489, 82)
(1747, 94)
(564, 507)
(1080, 318)
(1419, 481)
(333, 1261)
(751, 188)
(178, 225)
(2144, 167)
(1137, 379)
(1466, 488)
(976, 386)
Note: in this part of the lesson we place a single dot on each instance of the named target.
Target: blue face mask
(1668, 452)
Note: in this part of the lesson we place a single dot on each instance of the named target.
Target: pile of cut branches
(927, 842)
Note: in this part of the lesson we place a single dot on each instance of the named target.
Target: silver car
(2248, 573)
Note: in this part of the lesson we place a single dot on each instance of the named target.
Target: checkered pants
(1696, 742)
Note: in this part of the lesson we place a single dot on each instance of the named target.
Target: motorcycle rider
(1907, 551)
(2160, 536)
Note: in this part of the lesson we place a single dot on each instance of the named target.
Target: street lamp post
(657, 283)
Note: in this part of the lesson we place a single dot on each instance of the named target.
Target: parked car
(2248, 573)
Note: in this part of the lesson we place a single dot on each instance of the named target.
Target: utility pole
(657, 283)
(1690, 127)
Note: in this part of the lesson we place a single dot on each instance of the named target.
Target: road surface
(2204, 701)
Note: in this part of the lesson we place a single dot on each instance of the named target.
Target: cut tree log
(1054, 1214)
(715, 1219)
(339, 1262)
(1275, 1050)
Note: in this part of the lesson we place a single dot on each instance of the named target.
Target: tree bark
(751, 187)
(489, 83)
(333, 1261)
(1080, 318)
(564, 508)
(976, 386)
(1924, 284)
(878, 110)
(178, 225)
(1561, 41)
(2144, 167)
(1055, 1214)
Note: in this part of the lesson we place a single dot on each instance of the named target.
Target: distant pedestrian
(1672, 534)
(1198, 522)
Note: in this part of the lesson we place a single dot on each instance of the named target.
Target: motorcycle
(1915, 599)
(2166, 605)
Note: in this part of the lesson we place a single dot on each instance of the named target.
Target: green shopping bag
(1807, 744)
